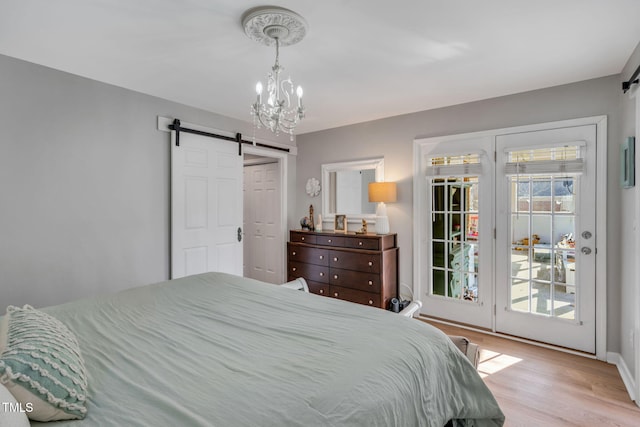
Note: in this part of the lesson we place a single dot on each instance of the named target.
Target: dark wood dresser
(361, 268)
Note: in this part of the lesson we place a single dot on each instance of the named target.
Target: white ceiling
(361, 59)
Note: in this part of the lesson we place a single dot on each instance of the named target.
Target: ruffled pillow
(41, 365)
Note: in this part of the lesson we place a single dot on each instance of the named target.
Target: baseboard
(627, 378)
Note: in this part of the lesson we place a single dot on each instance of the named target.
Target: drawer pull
(293, 253)
(335, 294)
(293, 269)
(329, 241)
(370, 302)
(302, 238)
(321, 291)
(360, 243)
(370, 282)
(321, 274)
(321, 256)
(370, 263)
(335, 276)
(335, 258)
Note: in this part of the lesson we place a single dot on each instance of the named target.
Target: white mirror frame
(377, 164)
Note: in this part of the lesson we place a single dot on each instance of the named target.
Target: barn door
(206, 206)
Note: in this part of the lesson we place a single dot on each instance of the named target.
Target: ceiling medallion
(261, 24)
(274, 26)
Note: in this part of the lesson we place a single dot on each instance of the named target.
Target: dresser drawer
(353, 295)
(330, 240)
(362, 243)
(318, 288)
(309, 255)
(368, 282)
(358, 261)
(316, 273)
(302, 237)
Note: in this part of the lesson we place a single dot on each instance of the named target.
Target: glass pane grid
(542, 250)
(455, 222)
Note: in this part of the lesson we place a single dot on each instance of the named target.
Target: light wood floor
(541, 387)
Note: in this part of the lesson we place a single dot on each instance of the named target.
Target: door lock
(586, 234)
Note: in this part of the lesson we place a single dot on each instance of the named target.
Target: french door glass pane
(542, 251)
(454, 231)
(520, 295)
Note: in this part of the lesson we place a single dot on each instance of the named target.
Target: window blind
(445, 165)
(565, 159)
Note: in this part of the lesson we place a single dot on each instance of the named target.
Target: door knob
(586, 234)
(585, 250)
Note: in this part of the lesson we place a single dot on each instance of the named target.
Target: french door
(459, 244)
(506, 232)
(545, 267)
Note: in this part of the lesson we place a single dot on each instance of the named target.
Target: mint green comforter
(220, 350)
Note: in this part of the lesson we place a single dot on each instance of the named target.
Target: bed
(221, 350)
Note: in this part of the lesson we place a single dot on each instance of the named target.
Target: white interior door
(206, 200)
(546, 236)
(262, 218)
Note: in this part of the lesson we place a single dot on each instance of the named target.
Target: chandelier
(274, 26)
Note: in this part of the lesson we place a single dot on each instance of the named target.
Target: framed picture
(340, 223)
(628, 163)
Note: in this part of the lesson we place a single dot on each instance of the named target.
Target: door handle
(239, 234)
(585, 250)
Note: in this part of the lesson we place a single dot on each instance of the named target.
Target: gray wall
(629, 220)
(393, 138)
(84, 184)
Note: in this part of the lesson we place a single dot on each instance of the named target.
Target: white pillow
(12, 414)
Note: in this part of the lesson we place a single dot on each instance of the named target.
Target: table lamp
(382, 192)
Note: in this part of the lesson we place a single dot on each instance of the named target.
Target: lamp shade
(382, 192)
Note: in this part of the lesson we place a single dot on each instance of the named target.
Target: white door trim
(635, 93)
(420, 205)
(601, 243)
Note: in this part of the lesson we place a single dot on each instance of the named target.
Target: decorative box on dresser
(361, 268)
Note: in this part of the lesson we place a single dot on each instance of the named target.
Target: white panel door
(263, 234)
(546, 236)
(206, 206)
